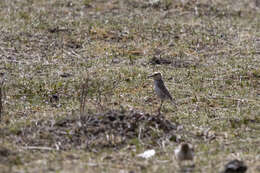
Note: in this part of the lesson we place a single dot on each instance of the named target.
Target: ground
(76, 96)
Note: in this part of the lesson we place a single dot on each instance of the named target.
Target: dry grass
(208, 53)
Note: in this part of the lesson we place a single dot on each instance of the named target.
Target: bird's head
(156, 76)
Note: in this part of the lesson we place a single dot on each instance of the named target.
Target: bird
(184, 152)
(160, 89)
(235, 166)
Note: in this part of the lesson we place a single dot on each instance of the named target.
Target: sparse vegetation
(57, 119)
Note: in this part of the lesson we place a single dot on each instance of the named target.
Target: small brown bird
(184, 152)
(160, 89)
(235, 166)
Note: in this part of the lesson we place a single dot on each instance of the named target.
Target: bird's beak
(150, 76)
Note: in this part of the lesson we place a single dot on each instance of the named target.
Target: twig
(83, 95)
(38, 148)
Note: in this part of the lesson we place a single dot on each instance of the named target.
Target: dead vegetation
(76, 96)
(92, 132)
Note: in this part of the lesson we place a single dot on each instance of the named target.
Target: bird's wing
(164, 89)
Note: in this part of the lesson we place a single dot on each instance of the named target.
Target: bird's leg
(159, 110)
(180, 165)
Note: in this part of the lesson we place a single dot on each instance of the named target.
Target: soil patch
(112, 129)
